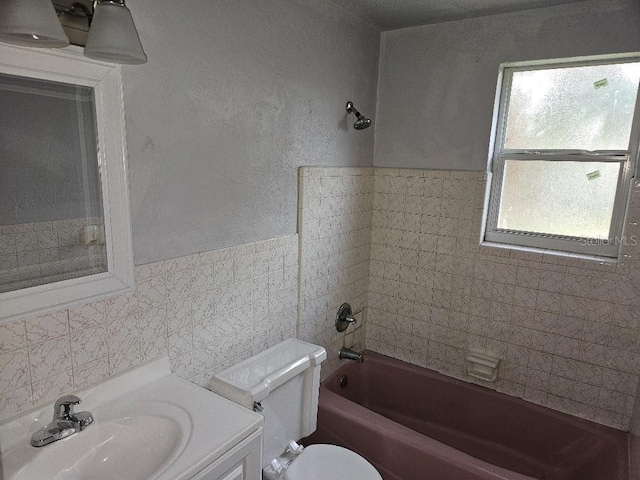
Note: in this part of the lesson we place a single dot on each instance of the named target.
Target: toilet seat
(329, 462)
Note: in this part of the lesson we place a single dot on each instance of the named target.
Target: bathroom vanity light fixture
(31, 23)
(104, 27)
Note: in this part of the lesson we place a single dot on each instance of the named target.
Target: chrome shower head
(362, 122)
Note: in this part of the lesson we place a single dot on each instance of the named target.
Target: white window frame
(628, 159)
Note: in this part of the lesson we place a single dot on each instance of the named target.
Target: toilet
(282, 383)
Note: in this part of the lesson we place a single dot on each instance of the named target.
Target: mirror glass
(51, 211)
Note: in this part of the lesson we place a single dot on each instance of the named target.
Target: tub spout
(348, 354)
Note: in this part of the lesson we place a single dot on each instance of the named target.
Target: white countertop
(211, 424)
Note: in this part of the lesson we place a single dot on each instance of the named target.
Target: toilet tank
(285, 381)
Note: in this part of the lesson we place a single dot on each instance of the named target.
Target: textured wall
(393, 14)
(437, 83)
(567, 330)
(236, 95)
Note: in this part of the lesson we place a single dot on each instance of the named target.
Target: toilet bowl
(282, 383)
(329, 462)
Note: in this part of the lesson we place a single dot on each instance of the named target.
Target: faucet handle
(63, 407)
(344, 318)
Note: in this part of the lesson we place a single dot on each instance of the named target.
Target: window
(565, 148)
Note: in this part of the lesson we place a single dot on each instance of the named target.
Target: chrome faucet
(348, 354)
(65, 422)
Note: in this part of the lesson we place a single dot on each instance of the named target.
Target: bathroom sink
(148, 425)
(135, 446)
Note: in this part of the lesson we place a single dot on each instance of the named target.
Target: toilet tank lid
(251, 380)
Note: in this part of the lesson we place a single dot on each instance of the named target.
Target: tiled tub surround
(36, 253)
(205, 311)
(565, 329)
(334, 221)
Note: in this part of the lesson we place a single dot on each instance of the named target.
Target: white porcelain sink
(143, 429)
(134, 445)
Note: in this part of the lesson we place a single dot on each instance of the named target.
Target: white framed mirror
(65, 227)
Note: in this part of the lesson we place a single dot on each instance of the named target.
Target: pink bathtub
(415, 424)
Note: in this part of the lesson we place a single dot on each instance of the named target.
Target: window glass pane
(559, 198)
(577, 108)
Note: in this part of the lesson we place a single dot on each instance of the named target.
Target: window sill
(545, 255)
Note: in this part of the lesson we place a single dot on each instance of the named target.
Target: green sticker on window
(601, 83)
(593, 175)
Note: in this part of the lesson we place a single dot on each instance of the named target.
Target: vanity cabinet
(242, 462)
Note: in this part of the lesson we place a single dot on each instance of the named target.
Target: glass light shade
(113, 36)
(31, 23)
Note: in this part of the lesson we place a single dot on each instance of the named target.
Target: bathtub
(415, 424)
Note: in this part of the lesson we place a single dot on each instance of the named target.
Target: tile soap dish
(483, 367)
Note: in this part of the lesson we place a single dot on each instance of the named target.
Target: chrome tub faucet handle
(345, 317)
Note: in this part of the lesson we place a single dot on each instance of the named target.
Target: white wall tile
(551, 315)
(47, 326)
(123, 333)
(12, 336)
(152, 292)
(14, 370)
(121, 306)
(89, 345)
(50, 358)
(52, 387)
(123, 360)
(91, 373)
(16, 401)
(171, 314)
(335, 234)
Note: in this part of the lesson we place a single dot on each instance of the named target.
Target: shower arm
(362, 122)
(352, 109)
